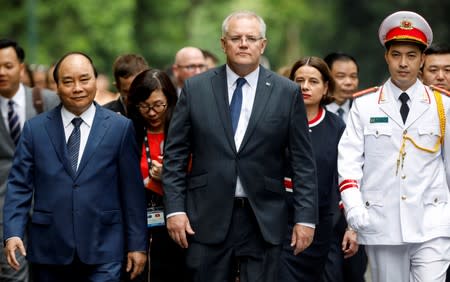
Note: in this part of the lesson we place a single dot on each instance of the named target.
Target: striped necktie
(73, 144)
(13, 122)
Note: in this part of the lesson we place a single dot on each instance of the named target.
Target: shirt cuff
(311, 225)
(174, 213)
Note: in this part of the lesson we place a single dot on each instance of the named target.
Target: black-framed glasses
(193, 67)
(236, 39)
(157, 108)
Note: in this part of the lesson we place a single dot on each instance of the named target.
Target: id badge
(155, 217)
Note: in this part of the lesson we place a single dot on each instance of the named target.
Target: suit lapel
(262, 94)
(418, 107)
(98, 130)
(220, 92)
(388, 105)
(55, 130)
(4, 134)
(30, 111)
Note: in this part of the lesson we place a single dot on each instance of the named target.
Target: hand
(349, 243)
(136, 263)
(302, 237)
(358, 218)
(12, 245)
(178, 225)
(156, 170)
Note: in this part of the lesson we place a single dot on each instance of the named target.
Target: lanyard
(147, 153)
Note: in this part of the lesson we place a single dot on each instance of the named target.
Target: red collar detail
(318, 118)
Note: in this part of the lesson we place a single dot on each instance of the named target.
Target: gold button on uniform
(403, 197)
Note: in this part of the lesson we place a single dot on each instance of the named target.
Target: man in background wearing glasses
(189, 61)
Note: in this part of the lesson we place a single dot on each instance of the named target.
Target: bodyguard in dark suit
(79, 164)
(234, 123)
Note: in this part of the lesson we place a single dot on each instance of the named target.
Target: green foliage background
(158, 28)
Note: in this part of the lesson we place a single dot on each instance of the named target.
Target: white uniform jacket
(408, 205)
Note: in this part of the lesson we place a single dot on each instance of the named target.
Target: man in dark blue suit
(77, 168)
(235, 123)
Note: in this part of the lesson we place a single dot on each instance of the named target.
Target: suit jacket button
(75, 186)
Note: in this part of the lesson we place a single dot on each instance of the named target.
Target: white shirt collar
(87, 116)
(397, 91)
(251, 78)
(18, 98)
(333, 107)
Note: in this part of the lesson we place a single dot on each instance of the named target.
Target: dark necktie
(13, 122)
(404, 109)
(73, 144)
(340, 112)
(236, 103)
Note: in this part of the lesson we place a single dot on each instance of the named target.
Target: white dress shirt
(85, 127)
(248, 97)
(333, 107)
(19, 106)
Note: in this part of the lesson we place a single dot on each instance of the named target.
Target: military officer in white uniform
(393, 163)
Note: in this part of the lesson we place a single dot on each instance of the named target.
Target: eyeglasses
(157, 108)
(193, 67)
(239, 38)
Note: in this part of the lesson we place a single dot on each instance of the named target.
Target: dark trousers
(338, 269)
(77, 271)
(244, 253)
(166, 260)
(309, 264)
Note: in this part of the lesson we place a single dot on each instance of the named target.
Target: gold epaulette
(365, 91)
(440, 89)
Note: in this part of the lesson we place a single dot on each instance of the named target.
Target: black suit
(117, 106)
(201, 126)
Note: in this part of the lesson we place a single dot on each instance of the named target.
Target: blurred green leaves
(158, 28)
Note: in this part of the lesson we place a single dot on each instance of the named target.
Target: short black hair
(331, 58)
(57, 65)
(438, 49)
(5, 43)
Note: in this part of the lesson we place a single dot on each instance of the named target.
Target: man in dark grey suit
(235, 124)
(20, 97)
(125, 68)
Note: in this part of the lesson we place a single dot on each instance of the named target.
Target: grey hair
(244, 14)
